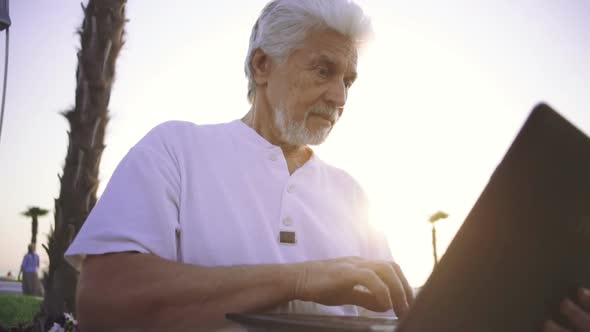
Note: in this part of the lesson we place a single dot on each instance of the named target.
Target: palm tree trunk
(434, 244)
(101, 38)
(34, 227)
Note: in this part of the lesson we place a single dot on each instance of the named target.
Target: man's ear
(261, 65)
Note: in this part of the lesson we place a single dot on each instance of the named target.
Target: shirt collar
(250, 135)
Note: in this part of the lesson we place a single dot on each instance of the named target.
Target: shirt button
(273, 157)
(288, 221)
(291, 188)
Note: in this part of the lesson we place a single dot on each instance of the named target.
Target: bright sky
(440, 96)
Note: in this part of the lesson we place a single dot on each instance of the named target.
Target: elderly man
(198, 221)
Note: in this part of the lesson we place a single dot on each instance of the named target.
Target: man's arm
(130, 290)
(22, 264)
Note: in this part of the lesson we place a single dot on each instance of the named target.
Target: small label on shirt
(286, 237)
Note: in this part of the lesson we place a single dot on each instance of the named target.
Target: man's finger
(584, 298)
(370, 280)
(396, 290)
(578, 317)
(551, 326)
(366, 300)
(409, 290)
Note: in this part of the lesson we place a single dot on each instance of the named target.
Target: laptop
(523, 248)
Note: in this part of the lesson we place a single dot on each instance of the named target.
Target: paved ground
(9, 288)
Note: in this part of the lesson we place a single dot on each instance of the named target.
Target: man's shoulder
(341, 176)
(176, 134)
(172, 129)
(171, 126)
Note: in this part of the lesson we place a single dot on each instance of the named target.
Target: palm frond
(437, 216)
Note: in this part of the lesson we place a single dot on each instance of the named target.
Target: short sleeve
(379, 248)
(138, 210)
(375, 244)
(376, 248)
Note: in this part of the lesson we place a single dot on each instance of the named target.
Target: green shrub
(18, 309)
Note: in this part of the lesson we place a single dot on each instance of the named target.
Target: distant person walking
(29, 266)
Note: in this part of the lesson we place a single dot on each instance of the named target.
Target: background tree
(101, 39)
(34, 213)
(432, 220)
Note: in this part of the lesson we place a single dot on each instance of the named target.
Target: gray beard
(296, 133)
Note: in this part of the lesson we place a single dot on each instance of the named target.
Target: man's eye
(323, 71)
(347, 84)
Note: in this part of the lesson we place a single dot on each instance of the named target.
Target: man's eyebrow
(324, 59)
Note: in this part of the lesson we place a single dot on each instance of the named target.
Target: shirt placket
(289, 225)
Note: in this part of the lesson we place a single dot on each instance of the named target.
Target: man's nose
(337, 94)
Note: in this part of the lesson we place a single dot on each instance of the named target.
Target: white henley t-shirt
(219, 195)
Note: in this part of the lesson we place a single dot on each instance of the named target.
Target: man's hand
(149, 292)
(337, 281)
(578, 314)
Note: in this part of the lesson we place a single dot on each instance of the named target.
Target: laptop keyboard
(348, 320)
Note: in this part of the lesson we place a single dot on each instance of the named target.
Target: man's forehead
(339, 54)
(340, 59)
(330, 41)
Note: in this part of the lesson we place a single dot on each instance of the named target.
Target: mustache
(331, 112)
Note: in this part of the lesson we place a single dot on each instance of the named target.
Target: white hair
(284, 24)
